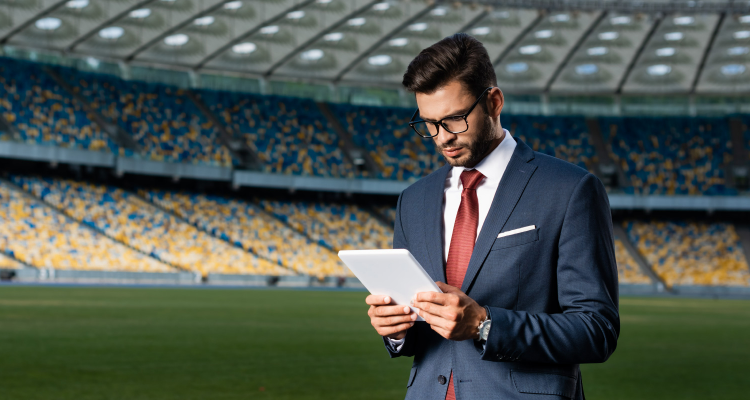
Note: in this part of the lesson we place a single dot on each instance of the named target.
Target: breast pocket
(516, 239)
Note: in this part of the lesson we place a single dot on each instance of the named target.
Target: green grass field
(83, 343)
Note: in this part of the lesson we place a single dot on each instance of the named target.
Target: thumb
(446, 288)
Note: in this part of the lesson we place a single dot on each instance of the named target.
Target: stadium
(177, 177)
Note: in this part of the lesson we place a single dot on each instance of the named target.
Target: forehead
(447, 100)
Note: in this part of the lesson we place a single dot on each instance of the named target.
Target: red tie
(462, 240)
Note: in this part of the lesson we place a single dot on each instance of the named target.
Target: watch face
(484, 330)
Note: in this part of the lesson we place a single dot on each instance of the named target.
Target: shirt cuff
(396, 344)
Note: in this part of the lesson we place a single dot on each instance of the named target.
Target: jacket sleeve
(400, 242)
(587, 329)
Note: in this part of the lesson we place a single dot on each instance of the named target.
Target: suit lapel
(514, 180)
(433, 226)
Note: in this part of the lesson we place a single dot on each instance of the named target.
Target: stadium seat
(34, 233)
(672, 155)
(337, 226)
(251, 228)
(9, 263)
(691, 253)
(43, 113)
(398, 151)
(135, 222)
(566, 138)
(289, 135)
(162, 119)
(628, 270)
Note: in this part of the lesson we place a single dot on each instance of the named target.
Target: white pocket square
(519, 230)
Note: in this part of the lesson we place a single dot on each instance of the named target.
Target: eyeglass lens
(452, 125)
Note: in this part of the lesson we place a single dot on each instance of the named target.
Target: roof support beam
(249, 33)
(573, 51)
(379, 42)
(106, 23)
(318, 36)
(687, 7)
(637, 54)
(173, 29)
(710, 45)
(31, 20)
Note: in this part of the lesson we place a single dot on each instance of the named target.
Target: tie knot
(470, 179)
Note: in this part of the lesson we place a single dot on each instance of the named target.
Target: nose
(443, 136)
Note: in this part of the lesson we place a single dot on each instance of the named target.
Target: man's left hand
(452, 314)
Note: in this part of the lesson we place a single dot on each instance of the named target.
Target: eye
(451, 119)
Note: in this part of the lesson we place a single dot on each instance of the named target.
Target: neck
(495, 142)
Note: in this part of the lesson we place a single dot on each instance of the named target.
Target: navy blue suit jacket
(551, 291)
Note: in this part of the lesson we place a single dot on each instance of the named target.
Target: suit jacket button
(442, 380)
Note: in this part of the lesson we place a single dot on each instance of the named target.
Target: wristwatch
(484, 326)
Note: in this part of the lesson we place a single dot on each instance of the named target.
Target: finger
(390, 330)
(391, 321)
(386, 311)
(432, 297)
(378, 300)
(435, 320)
(446, 288)
(430, 307)
(442, 332)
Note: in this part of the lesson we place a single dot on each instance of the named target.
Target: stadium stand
(337, 226)
(388, 212)
(691, 253)
(290, 135)
(672, 155)
(7, 262)
(398, 151)
(746, 130)
(566, 138)
(628, 270)
(43, 113)
(137, 223)
(35, 234)
(162, 119)
(247, 226)
(402, 155)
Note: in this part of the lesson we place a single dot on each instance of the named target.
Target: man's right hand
(389, 320)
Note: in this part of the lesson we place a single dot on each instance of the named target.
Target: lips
(453, 151)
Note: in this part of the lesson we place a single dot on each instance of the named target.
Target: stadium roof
(539, 46)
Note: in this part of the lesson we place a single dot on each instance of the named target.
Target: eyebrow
(453, 114)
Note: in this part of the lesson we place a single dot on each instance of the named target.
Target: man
(523, 241)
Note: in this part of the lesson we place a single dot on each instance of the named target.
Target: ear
(495, 102)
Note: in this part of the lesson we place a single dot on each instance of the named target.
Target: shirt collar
(493, 165)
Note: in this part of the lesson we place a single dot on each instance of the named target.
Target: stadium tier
(135, 222)
(9, 263)
(251, 228)
(566, 138)
(111, 229)
(628, 270)
(34, 233)
(163, 120)
(658, 156)
(42, 112)
(384, 131)
(690, 253)
(337, 226)
(672, 155)
(289, 135)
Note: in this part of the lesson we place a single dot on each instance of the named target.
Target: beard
(476, 149)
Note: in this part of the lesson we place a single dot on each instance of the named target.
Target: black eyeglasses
(452, 124)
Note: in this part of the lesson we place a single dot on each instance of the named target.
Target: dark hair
(458, 57)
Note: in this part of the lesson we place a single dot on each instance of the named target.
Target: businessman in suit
(519, 242)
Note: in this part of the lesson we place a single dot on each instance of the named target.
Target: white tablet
(394, 273)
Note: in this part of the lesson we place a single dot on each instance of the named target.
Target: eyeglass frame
(439, 124)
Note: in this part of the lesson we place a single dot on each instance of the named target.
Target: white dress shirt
(492, 167)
